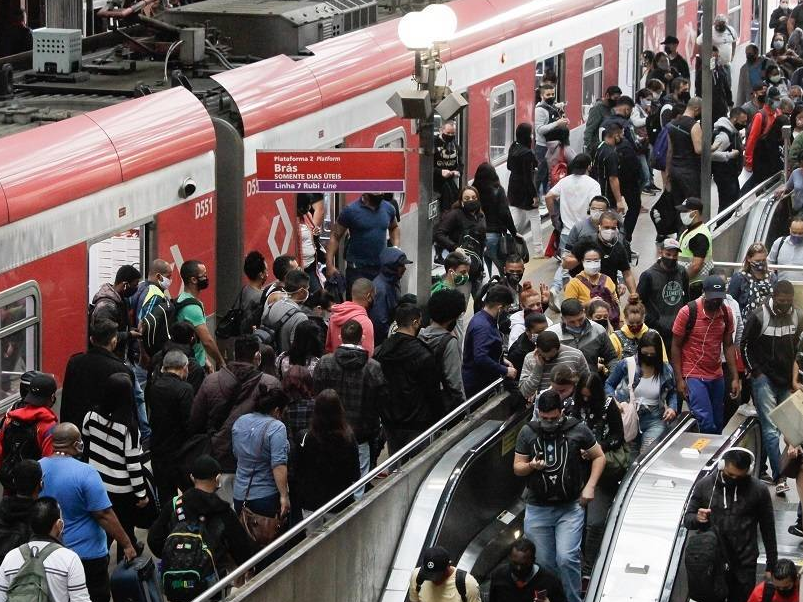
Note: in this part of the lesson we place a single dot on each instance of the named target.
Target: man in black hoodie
(734, 503)
(413, 403)
(664, 289)
(629, 172)
(15, 529)
(225, 536)
(359, 382)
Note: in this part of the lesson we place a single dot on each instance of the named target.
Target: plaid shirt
(297, 416)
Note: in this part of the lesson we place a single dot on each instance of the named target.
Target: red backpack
(604, 293)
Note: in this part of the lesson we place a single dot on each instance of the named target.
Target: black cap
(41, 390)
(434, 563)
(714, 287)
(773, 92)
(205, 468)
(690, 204)
(670, 40)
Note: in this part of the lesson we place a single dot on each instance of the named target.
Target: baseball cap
(690, 204)
(670, 243)
(434, 562)
(205, 468)
(714, 287)
(670, 40)
(41, 390)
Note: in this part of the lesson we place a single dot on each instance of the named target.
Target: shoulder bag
(630, 411)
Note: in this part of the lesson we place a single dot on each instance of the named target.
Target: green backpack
(30, 583)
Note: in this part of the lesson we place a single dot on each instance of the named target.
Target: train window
(592, 77)
(108, 255)
(551, 70)
(503, 120)
(20, 316)
(393, 139)
(735, 15)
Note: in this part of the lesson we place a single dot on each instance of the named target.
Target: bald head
(362, 291)
(695, 106)
(65, 437)
(159, 266)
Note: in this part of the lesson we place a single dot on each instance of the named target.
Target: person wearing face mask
(684, 152)
(482, 352)
(498, 219)
(607, 164)
(703, 330)
(751, 74)
(153, 291)
(679, 96)
(522, 580)
(751, 285)
(754, 104)
(725, 38)
(670, 45)
(414, 401)
(721, 97)
(591, 283)
(548, 355)
(779, 16)
(190, 308)
(775, 78)
(761, 154)
(521, 189)
(448, 166)
(662, 69)
(781, 54)
(769, 347)
(644, 110)
(588, 337)
(86, 509)
(600, 413)
(549, 124)
(736, 505)
(445, 310)
(464, 228)
(784, 586)
(626, 339)
(696, 254)
(794, 186)
(554, 453)
(387, 287)
(788, 250)
(531, 300)
(726, 155)
(281, 317)
(599, 311)
(664, 288)
(601, 110)
(113, 301)
(534, 324)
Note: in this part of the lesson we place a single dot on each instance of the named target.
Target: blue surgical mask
(796, 239)
(574, 329)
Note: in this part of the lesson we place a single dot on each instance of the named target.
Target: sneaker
(795, 530)
(764, 477)
(781, 487)
(653, 188)
(649, 191)
(747, 410)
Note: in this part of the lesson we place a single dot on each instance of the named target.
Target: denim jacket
(618, 385)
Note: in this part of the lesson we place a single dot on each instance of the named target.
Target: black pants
(97, 578)
(353, 274)
(741, 581)
(399, 437)
(727, 189)
(125, 508)
(685, 184)
(164, 481)
(632, 194)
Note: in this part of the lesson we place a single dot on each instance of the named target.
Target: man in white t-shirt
(64, 571)
(725, 38)
(574, 192)
(436, 580)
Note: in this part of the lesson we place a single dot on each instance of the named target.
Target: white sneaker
(747, 410)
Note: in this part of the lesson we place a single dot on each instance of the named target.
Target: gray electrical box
(56, 51)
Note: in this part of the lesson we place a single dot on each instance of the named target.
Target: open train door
(630, 38)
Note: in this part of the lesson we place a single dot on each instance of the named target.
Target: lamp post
(425, 33)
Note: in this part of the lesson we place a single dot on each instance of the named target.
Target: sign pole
(707, 120)
(426, 71)
(671, 26)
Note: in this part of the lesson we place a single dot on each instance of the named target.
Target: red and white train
(179, 180)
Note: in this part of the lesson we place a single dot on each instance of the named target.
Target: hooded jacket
(663, 292)
(110, 305)
(15, 528)
(413, 400)
(227, 535)
(223, 397)
(342, 313)
(736, 510)
(387, 292)
(360, 384)
(593, 342)
(521, 164)
(455, 224)
(45, 420)
(726, 139)
(769, 342)
(449, 359)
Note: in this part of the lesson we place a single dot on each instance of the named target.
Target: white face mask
(775, 78)
(686, 218)
(165, 283)
(596, 214)
(592, 266)
(608, 235)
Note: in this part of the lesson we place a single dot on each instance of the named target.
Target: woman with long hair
(521, 191)
(328, 458)
(662, 70)
(497, 214)
(751, 285)
(112, 446)
(600, 412)
(591, 283)
(646, 380)
(305, 350)
(625, 339)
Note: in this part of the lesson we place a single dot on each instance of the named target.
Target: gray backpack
(30, 583)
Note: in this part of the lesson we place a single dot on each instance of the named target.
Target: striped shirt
(535, 377)
(114, 450)
(63, 571)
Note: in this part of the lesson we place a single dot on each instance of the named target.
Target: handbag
(630, 412)
(617, 461)
(790, 467)
(229, 325)
(145, 517)
(262, 529)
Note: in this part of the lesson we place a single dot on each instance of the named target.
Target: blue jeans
(492, 253)
(651, 424)
(542, 173)
(364, 451)
(707, 403)
(139, 399)
(767, 395)
(557, 532)
(561, 274)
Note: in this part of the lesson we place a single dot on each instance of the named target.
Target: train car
(80, 197)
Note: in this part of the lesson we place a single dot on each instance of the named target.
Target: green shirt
(440, 285)
(195, 315)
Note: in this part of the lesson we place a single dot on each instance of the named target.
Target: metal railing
(744, 203)
(739, 265)
(391, 464)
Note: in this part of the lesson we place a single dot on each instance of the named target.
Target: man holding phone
(522, 580)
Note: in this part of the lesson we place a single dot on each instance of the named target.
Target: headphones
(721, 462)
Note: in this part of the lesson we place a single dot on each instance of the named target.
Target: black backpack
(705, 567)
(563, 478)
(20, 442)
(156, 324)
(188, 562)
(473, 250)
(231, 324)
(459, 583)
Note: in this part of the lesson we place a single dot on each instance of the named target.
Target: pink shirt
(701, 351)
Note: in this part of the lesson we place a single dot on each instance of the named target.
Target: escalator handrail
(464, 410)
(726, 213)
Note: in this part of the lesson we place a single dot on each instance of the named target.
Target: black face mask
(739, 126)
(551, 426)
(786, 592)
(447, 137)
(604, 323)
(514, 278)
(669, 263)
(520, 572)
(730, 481)
(550, 101)
(203, 283)
(685, 96)
(649, 360)
(751, 58)
(130, 291)
(712, 305)
(761, 98)
(471, 206)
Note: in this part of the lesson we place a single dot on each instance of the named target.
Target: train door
(629, 38)
(551, 69)
(108, 254)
